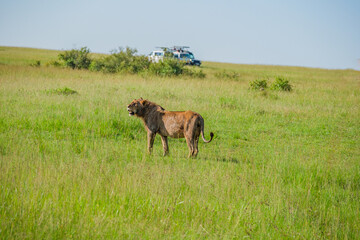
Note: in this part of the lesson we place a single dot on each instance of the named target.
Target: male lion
(156, 119)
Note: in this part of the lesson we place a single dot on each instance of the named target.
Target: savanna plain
(73, 164)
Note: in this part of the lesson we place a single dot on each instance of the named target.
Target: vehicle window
(184, 55)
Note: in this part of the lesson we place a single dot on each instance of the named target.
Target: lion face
(134, 107)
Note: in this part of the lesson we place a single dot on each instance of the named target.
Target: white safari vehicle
(177, 52)
(156, 56)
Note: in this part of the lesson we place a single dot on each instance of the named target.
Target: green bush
(96, 65)
(123, 60)
(167, 67)
(232, 75)
(63, 91)
(53, 63)
(282, 84)
(139, 64)
(37, 63)
(76, 58)
(259, 84)
(194, 73)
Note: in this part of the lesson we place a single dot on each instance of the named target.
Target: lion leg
(196, 140)
(196, 150)
(190, 143)
(150, 138)
(165, 145)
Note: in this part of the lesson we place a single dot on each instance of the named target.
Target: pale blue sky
(313, 33)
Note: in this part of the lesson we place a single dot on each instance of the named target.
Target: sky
(307, 33)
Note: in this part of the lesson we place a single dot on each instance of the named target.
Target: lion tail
(202, 131)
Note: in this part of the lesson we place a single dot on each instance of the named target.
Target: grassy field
(282, 165)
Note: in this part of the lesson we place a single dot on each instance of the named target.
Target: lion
(175, 124)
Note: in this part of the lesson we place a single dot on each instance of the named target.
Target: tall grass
(74, 166)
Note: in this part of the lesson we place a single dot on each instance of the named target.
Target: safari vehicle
(156, 56)
(177, 52)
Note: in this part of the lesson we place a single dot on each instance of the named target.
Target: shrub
(194, 73)
(227, 75)
(53, 63)
(258, 84)
(63, 91)
(139, 64)
(282, 84)
(37, 63)
(123, 60)
(167, 67)
(76, 58)
(96, 65)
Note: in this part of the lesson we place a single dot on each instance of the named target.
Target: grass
(74, 166)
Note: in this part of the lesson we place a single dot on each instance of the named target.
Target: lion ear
(141, 98)
(143, 102)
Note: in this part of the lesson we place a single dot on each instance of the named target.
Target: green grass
(74, 166)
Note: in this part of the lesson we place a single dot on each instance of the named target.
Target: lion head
(135, 106)
(140, 107)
